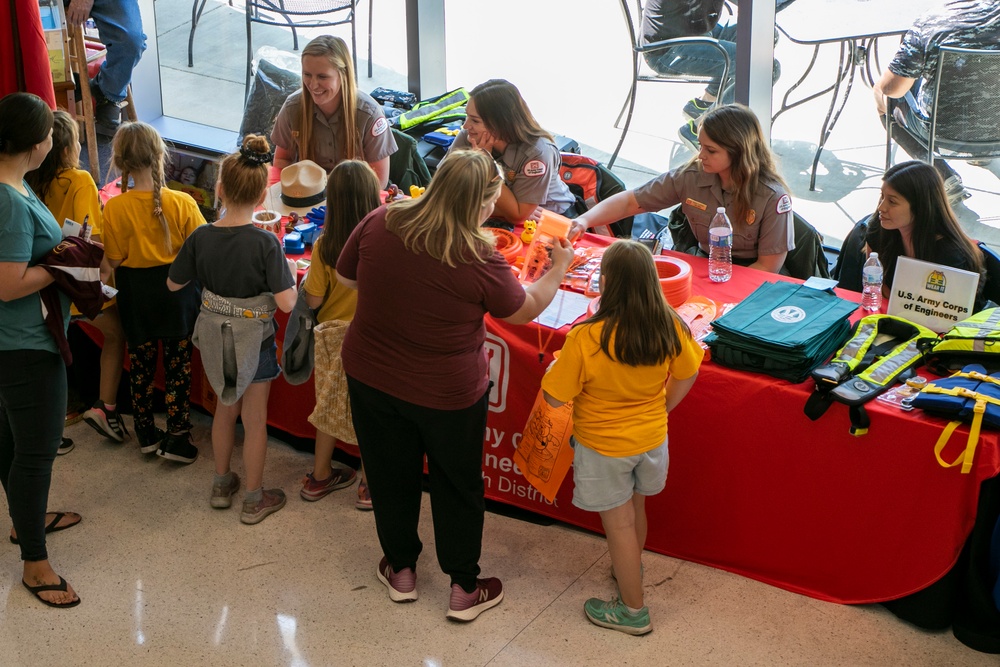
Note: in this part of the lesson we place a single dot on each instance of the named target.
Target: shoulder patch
(784, 204)
(534, 168)
(380, 126)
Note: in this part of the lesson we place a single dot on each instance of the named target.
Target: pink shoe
(402, 585)
(468, 606)
(364, 501)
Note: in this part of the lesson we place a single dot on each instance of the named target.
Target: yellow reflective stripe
(892, 364)
(854, 350)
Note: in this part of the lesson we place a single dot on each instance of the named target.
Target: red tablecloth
(756, 488)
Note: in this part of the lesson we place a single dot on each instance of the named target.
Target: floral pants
(177, 377)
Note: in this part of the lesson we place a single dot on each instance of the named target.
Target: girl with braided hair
(242, 297)
(144, 228)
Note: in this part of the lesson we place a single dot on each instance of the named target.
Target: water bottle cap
(721, 209)
(873, 255)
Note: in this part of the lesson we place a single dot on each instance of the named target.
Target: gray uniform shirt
(377, 141)
(765, 230)
(531, 171)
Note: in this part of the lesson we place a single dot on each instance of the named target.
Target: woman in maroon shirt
(426, 274)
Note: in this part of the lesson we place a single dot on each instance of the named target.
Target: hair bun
(256, 150)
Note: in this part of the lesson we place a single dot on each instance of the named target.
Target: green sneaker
(615, 615)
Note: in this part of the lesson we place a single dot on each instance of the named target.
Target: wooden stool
(82, 54)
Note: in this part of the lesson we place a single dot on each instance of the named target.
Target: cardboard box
(54, 25)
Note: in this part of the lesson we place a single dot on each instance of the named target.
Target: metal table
(856, 25)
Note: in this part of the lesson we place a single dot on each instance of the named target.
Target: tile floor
(167, 580)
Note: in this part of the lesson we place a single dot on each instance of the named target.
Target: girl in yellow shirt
(624, 369)
(352, 192)
(70, 192)
(144, 229)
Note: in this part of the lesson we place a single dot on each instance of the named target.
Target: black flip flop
(53, 526)
(61, 586)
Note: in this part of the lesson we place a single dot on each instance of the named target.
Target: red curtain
(24, 58)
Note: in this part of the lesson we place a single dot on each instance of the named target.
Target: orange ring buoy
(675, 279)
(508, 244)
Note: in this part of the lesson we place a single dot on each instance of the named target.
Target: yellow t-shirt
(73, 194)
(618, 410)
(339, 302)
(134, 236)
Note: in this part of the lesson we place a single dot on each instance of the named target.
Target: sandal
(53, 526)
(62, 586)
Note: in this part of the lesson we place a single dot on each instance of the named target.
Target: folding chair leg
(370, 2)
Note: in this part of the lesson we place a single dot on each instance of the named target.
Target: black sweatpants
(394, 436)
(32, 417)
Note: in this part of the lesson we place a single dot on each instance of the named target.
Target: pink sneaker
(364, 501)
(467, 607)
(402, 585)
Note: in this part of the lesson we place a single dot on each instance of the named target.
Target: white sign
(933, 295)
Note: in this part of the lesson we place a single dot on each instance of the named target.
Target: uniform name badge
(697, 204)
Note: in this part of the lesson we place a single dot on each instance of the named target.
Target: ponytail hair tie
(256, 157)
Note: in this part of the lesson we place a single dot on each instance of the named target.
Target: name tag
(697, 204)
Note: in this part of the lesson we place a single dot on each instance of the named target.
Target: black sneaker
(178, 447)
(689, 135)
(65, 447)
(695, 107)
(149, 440)
(107, 114)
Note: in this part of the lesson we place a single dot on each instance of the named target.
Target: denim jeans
(704, 60)
(32, 416)
(120, 27)
(701, 60)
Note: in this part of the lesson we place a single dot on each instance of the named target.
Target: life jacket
(974, 340)
(591, 183)
(862, 369)
(436, 111)
(969, 395)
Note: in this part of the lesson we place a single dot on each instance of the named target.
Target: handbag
(332, 413)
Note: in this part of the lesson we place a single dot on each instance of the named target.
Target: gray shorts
(605, 482)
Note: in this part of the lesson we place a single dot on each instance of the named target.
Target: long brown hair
(934, 220)
(352, 192)
(243, 174)
(65, 135)
(139, 146)
(505, 113)
(737, 130)
(445, 221)
(334, 49)
(633, 309)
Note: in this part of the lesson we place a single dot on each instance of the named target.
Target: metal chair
(294, 14)
(964, 116)
(633, 21)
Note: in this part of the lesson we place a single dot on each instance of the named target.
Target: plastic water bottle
(871, 281)
(720, 247)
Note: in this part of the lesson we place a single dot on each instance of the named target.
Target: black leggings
(32, 416)
(394, 435)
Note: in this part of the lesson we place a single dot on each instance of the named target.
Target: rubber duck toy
(528, 235)
(293, 219)
(416, 191)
